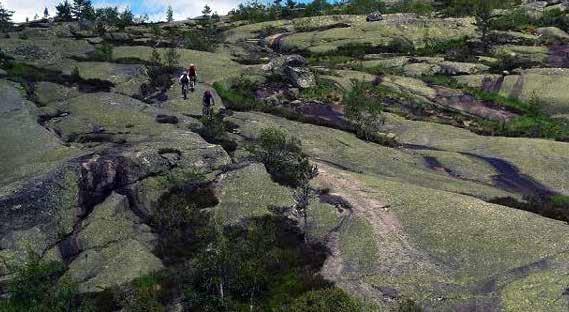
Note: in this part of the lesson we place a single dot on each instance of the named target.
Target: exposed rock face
(294, 68)
(84, 206)
(553, 35)
(116, 247)
(374, 17)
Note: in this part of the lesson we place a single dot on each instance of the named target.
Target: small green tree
(317, 7)
(302, 196)
(363, 107)
(170, 14)
(283, 157)
(83, 9)
(126, 18)
(155, 58)
(45, 13)
(5, 19)
(206, 12)
(364, 6)
(172, 58)
(64, 11)
(482, 10)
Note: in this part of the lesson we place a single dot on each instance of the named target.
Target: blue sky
(155, 9)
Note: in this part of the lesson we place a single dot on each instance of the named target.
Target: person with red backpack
(208, 103)
(193, 74)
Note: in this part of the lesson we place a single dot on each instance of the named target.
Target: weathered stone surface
(116, 247)
(553, 35)
(293, 68)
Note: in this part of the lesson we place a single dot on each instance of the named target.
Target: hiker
(208, 102)
(193, 73)
(184, 82)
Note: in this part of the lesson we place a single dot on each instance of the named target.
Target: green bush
(199, 40)
(324, 90)
(38, 286)
(262, 264)
(457, 46)
(104, 53)
(283, 157)
(419, 7)
(364, 107)
(514, 20)
(325, 300)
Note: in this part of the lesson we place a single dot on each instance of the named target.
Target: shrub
(261, 265)
(514, 20)
(419, 7)
(198, 40)
(325, 300)
(324, 90)
(75, 74)
(104, 52)
(171, 59)
(283, 157)
(456, 46)
(364, 109)
(37, 286)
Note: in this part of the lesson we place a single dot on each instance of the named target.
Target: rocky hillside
(408, 164)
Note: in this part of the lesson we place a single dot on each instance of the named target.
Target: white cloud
(29, 8)
(156, 9)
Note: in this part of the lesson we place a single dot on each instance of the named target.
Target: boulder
(374, 17)
(96, 40)
(167, 119)
(293, 68)
(553, 35)
(460, 68)
(116, 247)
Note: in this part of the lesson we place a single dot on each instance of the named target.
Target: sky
(155, 9)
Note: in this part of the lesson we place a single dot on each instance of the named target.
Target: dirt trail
(396, 256)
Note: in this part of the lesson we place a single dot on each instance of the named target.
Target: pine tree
(172, 58)
(45, 13)
(290, 4)
(206, 12)
(83, 9)
(126, 18)
(170, 14)
(64, 11)
(5, 19)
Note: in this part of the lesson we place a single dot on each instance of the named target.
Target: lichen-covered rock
(292, 68)
(553, 35)
(115, 247)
